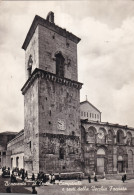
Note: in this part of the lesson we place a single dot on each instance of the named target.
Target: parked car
(6, 173)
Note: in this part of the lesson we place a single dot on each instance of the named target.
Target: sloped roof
(8, 133)
(84, 102)
(43, 22)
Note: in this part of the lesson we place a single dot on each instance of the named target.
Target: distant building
(90, 112)
(16, 147)
(5, 137)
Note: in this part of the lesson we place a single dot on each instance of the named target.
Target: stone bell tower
(51, 99)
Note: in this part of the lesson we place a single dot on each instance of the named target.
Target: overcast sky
(105, 55)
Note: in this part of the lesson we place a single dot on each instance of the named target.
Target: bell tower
(51, 99)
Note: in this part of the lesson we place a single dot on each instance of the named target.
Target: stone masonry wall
(31, 128)
(16, 145)
(32, 49)
(57, 101)
(49, 153)
(50, 43)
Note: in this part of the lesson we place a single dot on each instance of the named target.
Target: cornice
(38, 73)
(86, 121)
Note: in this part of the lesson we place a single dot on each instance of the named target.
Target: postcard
(67, 97)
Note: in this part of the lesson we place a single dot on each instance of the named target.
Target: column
(115, 160)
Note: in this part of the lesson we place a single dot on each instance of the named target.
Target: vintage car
(6, 173)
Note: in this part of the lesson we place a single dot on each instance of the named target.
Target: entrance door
(120, 166)
(100, 165)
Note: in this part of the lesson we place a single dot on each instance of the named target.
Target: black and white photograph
(67, 97)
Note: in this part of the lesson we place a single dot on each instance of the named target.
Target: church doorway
(100, 161)
(100, 165)
(120, 164)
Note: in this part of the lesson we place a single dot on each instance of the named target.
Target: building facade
(107, 148)
(90, 112)
(60, 133)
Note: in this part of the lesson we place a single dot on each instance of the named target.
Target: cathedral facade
(60, 133)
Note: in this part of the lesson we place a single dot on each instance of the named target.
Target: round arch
(83, 134)
(120, 136)
(90, 135)
(110, 136)
(92, 129)
(101, 137)
(101, 151)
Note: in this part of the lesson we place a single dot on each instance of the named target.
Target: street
(105, 187)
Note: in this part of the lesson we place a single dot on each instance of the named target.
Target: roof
(86, 121)
(19, 133)
(84, 102)
(43, 22)
(8, 133)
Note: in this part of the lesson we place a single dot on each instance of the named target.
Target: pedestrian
(8, 189)
(89, 179)
(26, 174)
(50, 178)
(34, 190)
(53, 179)
(23, 175)
(123, 179)
(59, 177)
(38, 182)
(95, 178)
(33, 177)
(44, 178)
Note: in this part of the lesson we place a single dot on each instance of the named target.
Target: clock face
(61, 124)
(101, 134)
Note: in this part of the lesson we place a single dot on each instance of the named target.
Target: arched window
(129, 138)
(29, 66)
(59, 65)
(120, 137)
(11, 163)
(17, 161)
(90, 136)
(110, 136)
(101, 138)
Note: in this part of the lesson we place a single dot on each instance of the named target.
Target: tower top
(48, 23)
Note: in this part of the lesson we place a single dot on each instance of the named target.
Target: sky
(105, 55)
